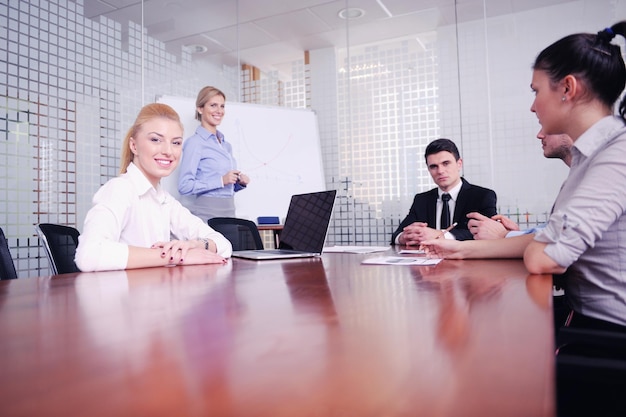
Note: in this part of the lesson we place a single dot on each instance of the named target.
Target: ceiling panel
(377, 30)
(402, 7)
(294, 24)
(250, 36)
(250, 10)
(269, 31)
(329, 12)
(192, 20)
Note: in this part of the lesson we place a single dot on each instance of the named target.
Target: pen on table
(447, 229)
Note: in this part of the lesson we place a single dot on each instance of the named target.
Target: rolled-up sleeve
(563, 238)
(588, 205)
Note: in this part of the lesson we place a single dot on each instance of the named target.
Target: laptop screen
(307, 221)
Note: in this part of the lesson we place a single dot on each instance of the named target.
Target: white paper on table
(355, 249)
(400, 260)
(418, 251)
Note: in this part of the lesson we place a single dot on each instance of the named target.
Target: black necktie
(445, 211)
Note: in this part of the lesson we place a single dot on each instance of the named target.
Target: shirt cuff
(448, 235)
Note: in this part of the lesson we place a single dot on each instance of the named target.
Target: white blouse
(129, 211)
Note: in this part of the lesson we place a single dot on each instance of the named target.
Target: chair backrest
(242, 233)
(590, 372)
(60, 243)
(7, 267)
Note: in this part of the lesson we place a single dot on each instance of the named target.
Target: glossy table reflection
(314, 337)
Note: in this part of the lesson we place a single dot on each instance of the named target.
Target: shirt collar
(205, 134)
(454, 192)
(598, 135)
(142, 185)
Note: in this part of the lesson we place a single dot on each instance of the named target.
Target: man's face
(555, 146)
(445, 170)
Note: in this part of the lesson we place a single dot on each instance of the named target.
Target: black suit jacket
(471, 198)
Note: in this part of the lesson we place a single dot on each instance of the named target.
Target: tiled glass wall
(70, 87)
(387, 112)
(486, 98)
(469, 83)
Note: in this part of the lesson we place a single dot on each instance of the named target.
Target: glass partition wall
(71, 86)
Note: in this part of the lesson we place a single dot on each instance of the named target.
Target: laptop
(305, 228)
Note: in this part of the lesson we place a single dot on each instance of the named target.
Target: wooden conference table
(313, 337)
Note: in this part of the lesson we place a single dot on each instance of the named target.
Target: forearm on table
(146, 257)
(512, 247)
(538, 262)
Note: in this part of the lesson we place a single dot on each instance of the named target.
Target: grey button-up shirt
(587, 229)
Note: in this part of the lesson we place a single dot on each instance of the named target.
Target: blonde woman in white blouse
(134, 222)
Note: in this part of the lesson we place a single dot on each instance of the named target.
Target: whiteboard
(277, 147)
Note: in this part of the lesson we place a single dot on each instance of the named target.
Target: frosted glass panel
(71, 86)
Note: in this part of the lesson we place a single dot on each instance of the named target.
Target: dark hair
(593, 59)
(441, 145)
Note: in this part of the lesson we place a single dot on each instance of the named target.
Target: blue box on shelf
(268, 220)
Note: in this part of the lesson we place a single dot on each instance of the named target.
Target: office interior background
(74, 73)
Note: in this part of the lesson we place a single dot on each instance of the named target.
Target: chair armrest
(591, 342)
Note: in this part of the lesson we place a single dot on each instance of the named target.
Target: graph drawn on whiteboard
(277, 147)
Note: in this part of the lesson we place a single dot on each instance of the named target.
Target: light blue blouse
(205, 160)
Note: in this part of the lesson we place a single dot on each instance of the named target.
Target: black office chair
(7, 267)
(590, 372)
(242, 233)
(60, 243)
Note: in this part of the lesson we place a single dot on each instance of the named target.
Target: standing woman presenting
(208, 169)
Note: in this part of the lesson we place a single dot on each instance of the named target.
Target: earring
(563, 98)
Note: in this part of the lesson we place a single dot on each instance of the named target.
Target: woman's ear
(571, 87)
(133, 145)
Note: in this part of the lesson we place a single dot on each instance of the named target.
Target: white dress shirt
(129, 211)
(454, 194)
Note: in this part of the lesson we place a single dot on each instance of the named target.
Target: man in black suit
(427, 216)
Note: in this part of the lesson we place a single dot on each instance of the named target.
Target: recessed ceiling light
(196, 48)
(351, 13)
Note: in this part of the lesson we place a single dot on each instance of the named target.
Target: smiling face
(548, 105)
(156, 148)
(445, 170)
(212, 112)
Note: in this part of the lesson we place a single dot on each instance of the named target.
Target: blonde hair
(205, 95)
(146, 114)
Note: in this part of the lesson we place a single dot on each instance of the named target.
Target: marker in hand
(447, 229)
